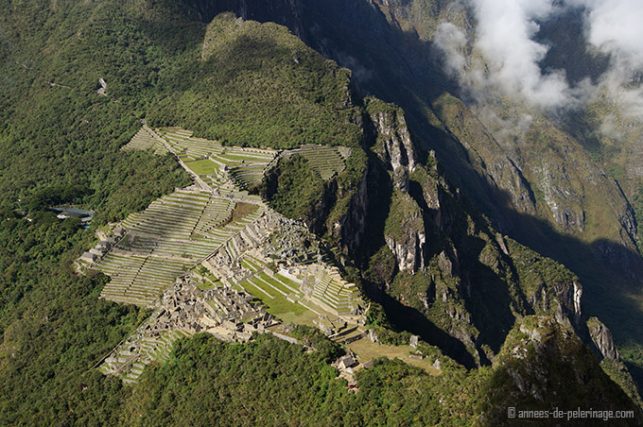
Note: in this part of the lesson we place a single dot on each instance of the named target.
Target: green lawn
(287, 281)
(275, 283)
(367, 350)
(205, 286)
(280, 307)
(251, 265)
(202, 167)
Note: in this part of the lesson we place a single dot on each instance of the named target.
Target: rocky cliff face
(351, 228)
(602, 338)
(542, 173)
(458, 269)
(545, 174)
(394, 143)
(450, 264)
(404, 231)
(544, 364)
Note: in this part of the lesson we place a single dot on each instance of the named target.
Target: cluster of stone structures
(185, 310)
(102, 247)
(249, 252)
(280, 257)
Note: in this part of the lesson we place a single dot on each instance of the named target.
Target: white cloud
(453, 42)
(504, 56)
(615, 27)
(504, 35)
(504, 38)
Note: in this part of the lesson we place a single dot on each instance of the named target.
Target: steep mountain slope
(395, 217)
(358, 230)
(546, 187)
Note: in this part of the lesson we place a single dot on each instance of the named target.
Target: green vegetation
(541, 341)
(413, 289)
(293, 188)
(55, 329)
(405, 216)
(278, 296)
(242, 385)
(277, 303)
(535, 270)
(367, 351)
(382, 266)
(208, 159)
(202, 167)
(258, 85)
(61, 143)
(327, 161)
(145, 140)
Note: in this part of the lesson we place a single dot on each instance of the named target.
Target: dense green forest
(293, 188)
(271, 382)
(60, 143)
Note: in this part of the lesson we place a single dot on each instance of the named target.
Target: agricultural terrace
(330, 290)
(130, 365)
(138, 280)
(278, 293)
(209, 159)
(145, 140)
(286, 297)
(327, 161)
(233, 168)
(174, 234)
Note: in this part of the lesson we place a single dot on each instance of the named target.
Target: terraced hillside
(209, 159)
(138, 280)
(327, 161)
(263, 280)
(145, 140)
(235, 237)
(227, 167)
(330, 290)
(248, 253)
(315, 288)
(129, 365)
(171, 236)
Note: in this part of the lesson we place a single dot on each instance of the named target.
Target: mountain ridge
(414, 238)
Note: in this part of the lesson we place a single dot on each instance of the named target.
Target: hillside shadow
(490, 302)
(398, 67)
(360, 37)
(610, 273)
(408, 319)
(355, 34)
(175, 35)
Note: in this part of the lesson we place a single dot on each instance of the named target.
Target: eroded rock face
(602, 338)
(537, 350)
(398, 151)
(353, 226)
(562, 195)
(410, 251)
(563, 299)
(405, 232)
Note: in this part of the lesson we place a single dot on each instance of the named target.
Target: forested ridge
(60, 142)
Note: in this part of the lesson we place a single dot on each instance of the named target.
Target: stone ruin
(185, 310)
(105, 243)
